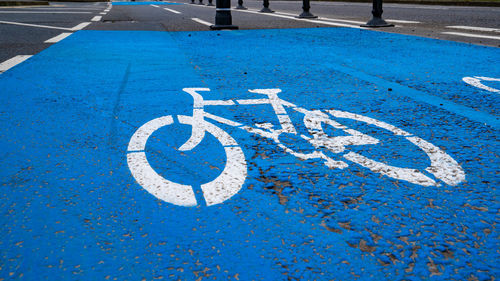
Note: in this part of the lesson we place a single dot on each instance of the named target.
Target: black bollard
(240, 5)
(266, 7)
(377, 20)
(192, 2)
(201, 2)
(223, 19)
(210, 3)
(306, 6)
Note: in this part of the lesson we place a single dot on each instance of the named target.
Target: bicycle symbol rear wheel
(227, 184)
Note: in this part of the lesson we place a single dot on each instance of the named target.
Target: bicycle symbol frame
(443, 167)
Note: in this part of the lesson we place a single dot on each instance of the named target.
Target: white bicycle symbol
(230, 181)
(476, 82)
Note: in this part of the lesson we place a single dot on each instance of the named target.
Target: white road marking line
(340, 20)
(156, 6)
(6, 65)
(102, 13)
(58, 37)
(472, 35)
(36, 25)
(416, 7)
(41, 12)
(201, 21)
(325, 21)
(80, 26)
(403, 21)
(173, 11)
(96, 18)
(486, 29)
(323, 18)
(307, 20)
(283, 13)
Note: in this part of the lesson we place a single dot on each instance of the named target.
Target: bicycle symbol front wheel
(227, 184)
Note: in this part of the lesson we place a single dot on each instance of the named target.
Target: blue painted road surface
(300, 154)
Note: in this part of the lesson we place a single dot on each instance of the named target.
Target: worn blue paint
(144, 3)
(72, 210)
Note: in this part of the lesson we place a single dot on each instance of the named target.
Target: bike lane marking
(126, 79)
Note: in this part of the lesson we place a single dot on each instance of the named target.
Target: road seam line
(8, 64)
(58, 37)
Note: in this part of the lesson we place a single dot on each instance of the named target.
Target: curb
(22, 3)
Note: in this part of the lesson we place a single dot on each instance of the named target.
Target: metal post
(266, 7)
(210, 3)
(240, 5)
(223, 19)
(192, 2)
(306, 6)
(201, 2)
(377, 20)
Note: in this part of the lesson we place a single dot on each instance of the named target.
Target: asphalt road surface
(476, 25)
(138, 145)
